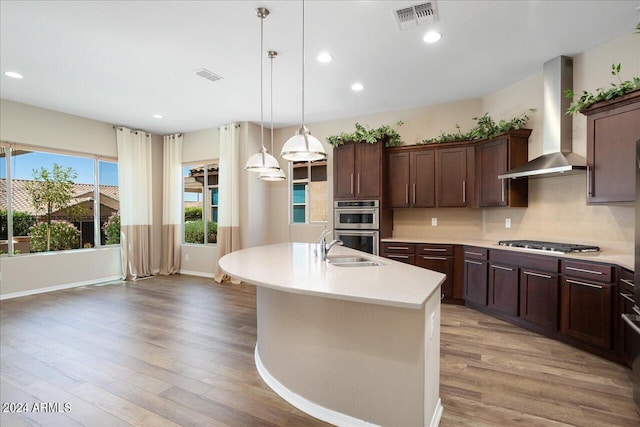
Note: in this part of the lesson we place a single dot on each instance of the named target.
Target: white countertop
(625, 260)
(292, 267)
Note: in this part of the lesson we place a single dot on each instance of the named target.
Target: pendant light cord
(271, 98)
(302, 124)
(261, 90)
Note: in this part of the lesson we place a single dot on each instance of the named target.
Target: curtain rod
(225, 126)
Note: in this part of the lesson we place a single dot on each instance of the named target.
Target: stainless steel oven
(357, 215)
(362, 240)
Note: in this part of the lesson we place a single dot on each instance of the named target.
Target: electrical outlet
(507, 223)
(186, 257)
(434, 222)
(433, 323)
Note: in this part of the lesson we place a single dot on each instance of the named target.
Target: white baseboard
(325, 414)
(58, 287)
(437, 414)
(196, 273)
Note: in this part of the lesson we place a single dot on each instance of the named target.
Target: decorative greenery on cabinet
(617, 90)
(486, 128)
(385, 134)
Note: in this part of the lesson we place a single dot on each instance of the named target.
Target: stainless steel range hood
(557, 157)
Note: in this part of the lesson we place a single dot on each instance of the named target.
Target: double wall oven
(357, 224)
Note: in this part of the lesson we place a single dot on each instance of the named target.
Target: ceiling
(121, 62)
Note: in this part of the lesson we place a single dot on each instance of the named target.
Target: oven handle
(630, 319)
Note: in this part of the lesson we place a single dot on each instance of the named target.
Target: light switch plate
(507, 223)
(434, 222)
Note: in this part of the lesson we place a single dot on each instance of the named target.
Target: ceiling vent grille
(418, 14)
(206, 74)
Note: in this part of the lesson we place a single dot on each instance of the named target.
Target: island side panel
(432, 404)
(363, 360)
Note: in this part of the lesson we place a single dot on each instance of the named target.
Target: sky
(22, 167)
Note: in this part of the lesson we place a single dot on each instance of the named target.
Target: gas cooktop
(561, 248)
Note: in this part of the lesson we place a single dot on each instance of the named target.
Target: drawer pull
(473, 253)
(398, 256)
(575, 282)
(628, 282)
(398, 248)
(628, 297)
(531, 273)
(636, 309)
(434, 250)
(502, 268)
(631, 322)
(582, 270)
(440, 258)
(472, 262)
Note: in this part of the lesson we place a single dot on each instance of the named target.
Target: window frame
(307, 193)
(207, 202)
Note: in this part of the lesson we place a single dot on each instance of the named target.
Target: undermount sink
(352, 261)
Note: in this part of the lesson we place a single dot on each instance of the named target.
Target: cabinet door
(441, 264)
(611, 138)
(587, 311)
(539, 298)
(452, 177)
(423, 179)
(344, 171)
(503, 289)
(475, 281)
(368, 170)
(492, 161)
(398, 182)
(626, 303)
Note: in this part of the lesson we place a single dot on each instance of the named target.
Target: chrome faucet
(322, 248)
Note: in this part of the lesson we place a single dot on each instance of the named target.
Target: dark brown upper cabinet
(357, 171)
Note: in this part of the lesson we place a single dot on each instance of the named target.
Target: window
(200, 198)
(53, 200)
(309, 192)
(108, 195)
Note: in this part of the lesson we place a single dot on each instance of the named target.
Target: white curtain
(228, 196)
(134, 180)
(171, 204)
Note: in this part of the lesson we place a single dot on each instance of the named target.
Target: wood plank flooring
(178, 350)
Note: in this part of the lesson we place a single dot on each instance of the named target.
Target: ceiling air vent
(206, 74)
(418, 14)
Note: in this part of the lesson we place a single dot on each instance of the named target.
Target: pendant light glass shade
(302, 146)
(274, 175)
(262, 161)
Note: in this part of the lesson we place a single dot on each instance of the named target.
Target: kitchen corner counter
(622, 259)
(292, 267)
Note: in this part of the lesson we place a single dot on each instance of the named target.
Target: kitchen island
(348, 345)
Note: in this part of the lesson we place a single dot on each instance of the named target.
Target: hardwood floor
(179, 351)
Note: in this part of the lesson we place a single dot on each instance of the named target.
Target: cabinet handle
(473, 253)
(531, 273)
(627, 297)
(398, 248)
(502, 189)
(433, 250)
(472, 262)
(631, 322)
(502, 268)
(575, 282)
(358, 183)
(628, 282)
(398, 256)
(351, 183)
(599, 273)
(464, 191)
(406, 193)
(439, 258)
(414, 193)
(636, 309)
(589, 186)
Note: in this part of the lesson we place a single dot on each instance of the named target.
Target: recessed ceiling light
(13, 74)
(357, 87)
(157, 116)
(324, 57)
(432, 37)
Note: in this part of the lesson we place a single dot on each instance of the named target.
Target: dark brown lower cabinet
(441, 264)
(586, 311)
(539, 293)
(475, 281)
(504, 289)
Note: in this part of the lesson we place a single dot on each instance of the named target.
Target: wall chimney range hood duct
(557, 157)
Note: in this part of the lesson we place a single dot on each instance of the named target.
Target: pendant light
(302, 146)
(261, 161)
(272, 175)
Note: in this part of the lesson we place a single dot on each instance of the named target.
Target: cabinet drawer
(626, 281)
(586, 270)
(440, 250)
(537, 262)
(471, 252)
(398, 248)
(406, 258)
